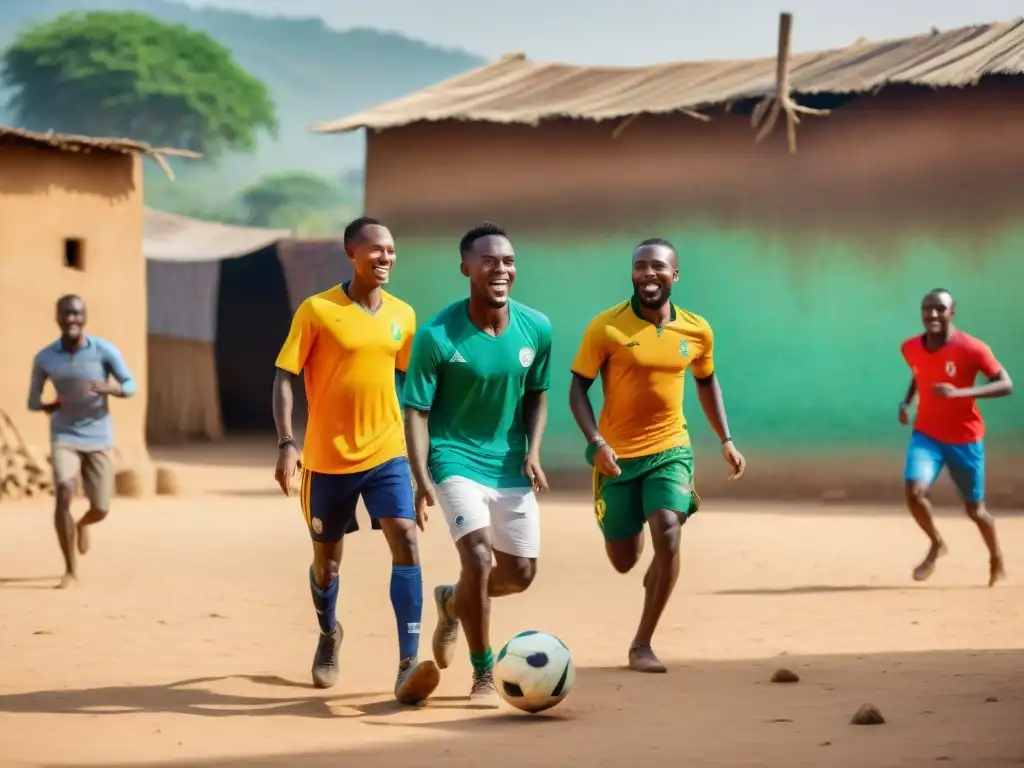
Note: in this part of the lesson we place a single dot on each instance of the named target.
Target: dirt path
(190, 638)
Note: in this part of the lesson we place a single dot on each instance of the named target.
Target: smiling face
(490, 265)
(71, 317)
(372, 254)
(937, 310)
(655, 268)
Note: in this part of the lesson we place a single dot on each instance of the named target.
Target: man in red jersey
(948, 429)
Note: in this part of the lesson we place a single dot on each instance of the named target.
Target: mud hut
(809, 266)
(221, 299)
(71, 222)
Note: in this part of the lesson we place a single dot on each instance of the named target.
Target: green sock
(482, 662)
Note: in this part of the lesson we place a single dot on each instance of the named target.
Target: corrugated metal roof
(515, 90)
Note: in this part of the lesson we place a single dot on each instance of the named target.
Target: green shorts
(647, 483)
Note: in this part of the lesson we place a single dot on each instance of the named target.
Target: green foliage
(129, 74)
(296, 200)
(295, 190)
(314, 73)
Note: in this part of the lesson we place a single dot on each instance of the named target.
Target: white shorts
(512, 514)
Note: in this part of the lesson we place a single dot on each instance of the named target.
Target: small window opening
(74, 254)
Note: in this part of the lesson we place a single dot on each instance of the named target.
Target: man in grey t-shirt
(85, 371)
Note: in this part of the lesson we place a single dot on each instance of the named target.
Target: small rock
(167, 482)
(127, 484)
(868, 714)
(825, 744)
(991, 700)
(783, 675)
(780, 720)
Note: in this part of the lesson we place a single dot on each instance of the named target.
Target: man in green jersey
(476, 406)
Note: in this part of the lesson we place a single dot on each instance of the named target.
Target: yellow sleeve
(704, 366)
(408, 332)
(301, 339)
(593, 351)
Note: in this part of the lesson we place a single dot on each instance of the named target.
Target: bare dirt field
(189, 642)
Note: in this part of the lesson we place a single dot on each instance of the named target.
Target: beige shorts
(95, 467)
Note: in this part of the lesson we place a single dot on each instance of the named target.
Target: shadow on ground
(963, 707)
(820, 589)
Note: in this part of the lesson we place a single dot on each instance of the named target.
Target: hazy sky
(637, 31)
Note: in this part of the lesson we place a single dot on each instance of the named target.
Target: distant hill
(314, 74)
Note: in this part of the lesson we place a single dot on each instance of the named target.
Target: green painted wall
(807, 335)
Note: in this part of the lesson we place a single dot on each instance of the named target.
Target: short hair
(656, 241)
(68, 297)
(487, 229)
(937, 291)
(356, 226)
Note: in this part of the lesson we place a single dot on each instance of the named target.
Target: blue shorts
(329, 501)
(966, 463)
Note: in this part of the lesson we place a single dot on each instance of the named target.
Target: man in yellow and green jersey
(349, 342)
(640, 449)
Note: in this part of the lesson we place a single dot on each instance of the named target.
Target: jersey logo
(950, 368)
(396, 332)
(457, 358)
(525, 357)
(633, 344)
(684, 348)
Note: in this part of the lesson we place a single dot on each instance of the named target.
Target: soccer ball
(534, 671)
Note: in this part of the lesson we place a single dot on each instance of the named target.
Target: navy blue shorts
(329, 501)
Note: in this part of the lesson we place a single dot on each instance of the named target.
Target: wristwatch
(283, 441)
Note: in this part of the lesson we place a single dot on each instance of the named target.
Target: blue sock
(407, 600)
(325, 599)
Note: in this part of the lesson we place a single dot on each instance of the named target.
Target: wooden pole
(781, 101)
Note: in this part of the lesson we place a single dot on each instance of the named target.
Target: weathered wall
(809, 267)
(45, 197)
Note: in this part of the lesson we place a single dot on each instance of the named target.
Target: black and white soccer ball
(534, 671)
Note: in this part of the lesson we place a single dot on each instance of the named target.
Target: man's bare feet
(642, 659)
(82, 538)
(68, 580)
(996, 571)
(927, 567)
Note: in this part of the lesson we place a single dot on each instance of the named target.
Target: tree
(283, 199)
(128, 74)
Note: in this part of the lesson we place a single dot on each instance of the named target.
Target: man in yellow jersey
(640, 450)
(350, 342)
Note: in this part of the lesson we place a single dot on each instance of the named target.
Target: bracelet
(283, 441)
(597, 441)
(726, 441)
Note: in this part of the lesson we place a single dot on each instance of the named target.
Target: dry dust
(190, 637)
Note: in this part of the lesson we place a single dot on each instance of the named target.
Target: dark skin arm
(287, 455)
(905, 405)
(417, 441)
(999, 385)
(710, 395)
(535, 414)
(583, 412)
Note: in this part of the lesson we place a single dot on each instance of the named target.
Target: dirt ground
(189, 642)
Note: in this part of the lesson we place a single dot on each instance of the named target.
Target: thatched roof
(170, 237)
(64, 142)
(515, 90)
